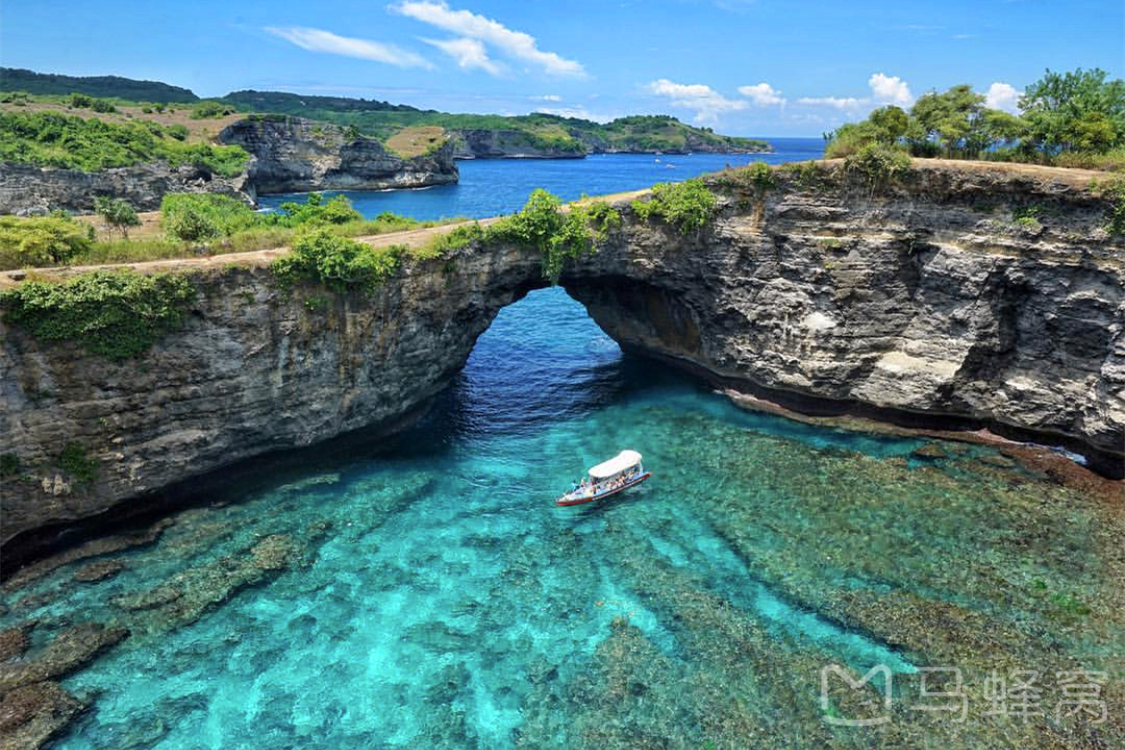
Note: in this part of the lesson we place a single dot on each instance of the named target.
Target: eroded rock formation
(288, 154)
(291, 154)
(924, 300)
(28, 190)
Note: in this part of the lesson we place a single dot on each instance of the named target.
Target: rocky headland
(291, 154)
(925, 300)
(483, 143)
(287, 154)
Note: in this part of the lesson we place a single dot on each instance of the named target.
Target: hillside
(406, 130)
(110, 87)
(536, 134)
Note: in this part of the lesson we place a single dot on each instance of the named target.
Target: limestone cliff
(923, 300)
(510, 144)
(28, 190)
(291, 154)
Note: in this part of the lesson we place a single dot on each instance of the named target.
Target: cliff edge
(958, 294)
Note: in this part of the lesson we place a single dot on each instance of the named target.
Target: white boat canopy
(619, 463)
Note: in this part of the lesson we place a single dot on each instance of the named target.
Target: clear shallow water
(490, 187)
(474, 569)
(424, 592)
(432, 596)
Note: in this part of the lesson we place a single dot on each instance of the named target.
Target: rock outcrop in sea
(291, 154)
(922, 301)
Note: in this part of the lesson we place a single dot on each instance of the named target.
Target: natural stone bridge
(923, 302)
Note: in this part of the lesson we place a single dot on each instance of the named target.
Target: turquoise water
(490, 187)
(423, 591)
(446, 551)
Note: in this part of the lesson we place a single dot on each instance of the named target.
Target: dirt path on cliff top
(409, 237)
(1074, 178)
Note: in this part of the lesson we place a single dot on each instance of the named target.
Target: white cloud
(707, 103)
(547, 98)
(762, 94)
(580, 112)
(467, 24)
(884, 90)
(838, 102)
(890, 89)
(318, 40)
(469, 54)
(1003, 96)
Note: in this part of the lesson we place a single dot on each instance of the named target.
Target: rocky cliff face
(922, 300)
(291, 154)
(505, 144)
(925, 300)
(253, 371)
(518, 144)
(28, 190)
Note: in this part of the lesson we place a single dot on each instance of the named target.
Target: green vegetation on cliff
(543, 132)
(558, 235)
(687, 206)
(46, 139)
(339, 263)
(1074, 119)
(42, 240)
(192, 224)
(196, 217)
(564, 135)
(115, 314)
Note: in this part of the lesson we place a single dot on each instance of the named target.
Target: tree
(892, 123)
(951, 119)
(1080, 110)
(117, 214)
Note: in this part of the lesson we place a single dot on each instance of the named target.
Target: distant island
(408, 131)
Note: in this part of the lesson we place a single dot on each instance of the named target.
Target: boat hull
(601, 495)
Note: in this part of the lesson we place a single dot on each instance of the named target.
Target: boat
(618, 474)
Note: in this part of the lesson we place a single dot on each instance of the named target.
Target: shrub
(177, 131)
(337, 210)
(1114, 194)
(1111, 161)
(541, 224)
(808, 174)
(48, 139)
(117, 213)
(41, 241)
(9, 465)
(339, 263)
(461, 236)
(535, 223)
(197, 217)
(101, 105)
(79, 101)
(878, 164)
(208, 110)
(758, 176)
(114, 314)
(762, 177)
(74, 461)
(688, 206)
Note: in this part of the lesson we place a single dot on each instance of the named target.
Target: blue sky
(748, 67)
